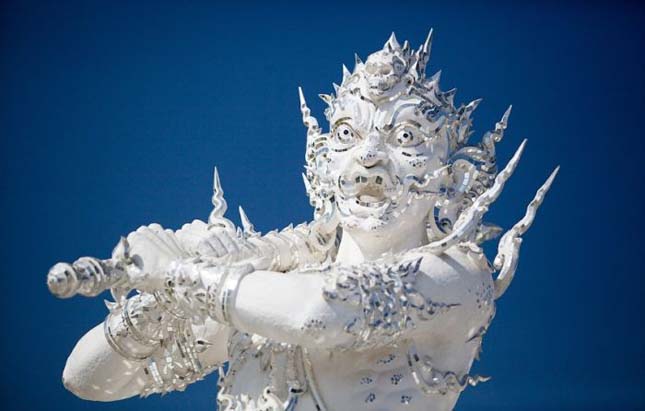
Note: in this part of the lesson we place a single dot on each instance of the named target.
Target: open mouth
(371, 191)
(371, 195)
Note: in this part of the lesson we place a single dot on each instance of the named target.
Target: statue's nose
(371, 152)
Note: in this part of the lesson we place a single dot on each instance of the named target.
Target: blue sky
(113, 115)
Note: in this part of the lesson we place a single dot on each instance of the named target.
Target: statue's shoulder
(461, 266)
(463, 258)
(458, 281)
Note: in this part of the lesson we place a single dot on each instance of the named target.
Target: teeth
(366, 198)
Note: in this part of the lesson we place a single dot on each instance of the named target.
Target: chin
(368, 224)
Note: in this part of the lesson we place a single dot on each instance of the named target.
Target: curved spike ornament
(247, 225)
(216, 217)
(326, 98)
(493, 137)
(307, 119)
(508, 251)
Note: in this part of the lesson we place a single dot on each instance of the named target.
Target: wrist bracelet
(119, 337)
(125, 336)
(202, 289)
(228, 292)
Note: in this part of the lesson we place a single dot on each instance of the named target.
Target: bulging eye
(407, 137)
(344, 134)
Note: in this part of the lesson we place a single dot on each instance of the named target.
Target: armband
(198, 289)
(134, 330)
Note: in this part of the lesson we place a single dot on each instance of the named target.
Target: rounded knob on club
(62, 280)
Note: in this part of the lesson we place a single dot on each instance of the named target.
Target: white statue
(381, 302)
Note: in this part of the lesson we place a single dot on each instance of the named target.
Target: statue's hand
(210, 240)
(231, 247)
(220, 242)
(152, 249)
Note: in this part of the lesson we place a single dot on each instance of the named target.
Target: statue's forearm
(131, 351)
(346, 307)
(290, 308)
(283, 250)
(142, 348)
(94, 371)
(294, 247)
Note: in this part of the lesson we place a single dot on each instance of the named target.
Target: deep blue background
(113, 115)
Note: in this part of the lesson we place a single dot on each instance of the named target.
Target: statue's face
(381, 160)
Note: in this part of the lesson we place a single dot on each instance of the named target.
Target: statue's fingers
(229, 242)
(219, 250)
(206, 248)
(152, 235)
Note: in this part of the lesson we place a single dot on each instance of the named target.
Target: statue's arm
(340, 306)
(278, 250)
(96, 371)
(291, 308)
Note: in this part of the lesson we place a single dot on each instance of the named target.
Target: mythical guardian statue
(380, 303)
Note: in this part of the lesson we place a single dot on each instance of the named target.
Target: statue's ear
(464, 176)
(455, 194)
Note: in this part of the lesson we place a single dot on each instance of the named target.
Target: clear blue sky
(114, 113)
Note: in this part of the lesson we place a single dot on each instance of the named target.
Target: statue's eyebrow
(414, 123)
(398, 111)
(340, 120)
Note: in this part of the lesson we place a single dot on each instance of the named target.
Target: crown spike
(414, 70)
(423, 55)
(392, 44)
(357, 60)
(449, 95)
(470, 107)
(427, 45)
(406, 47)
(346, 73)
(436, 77)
